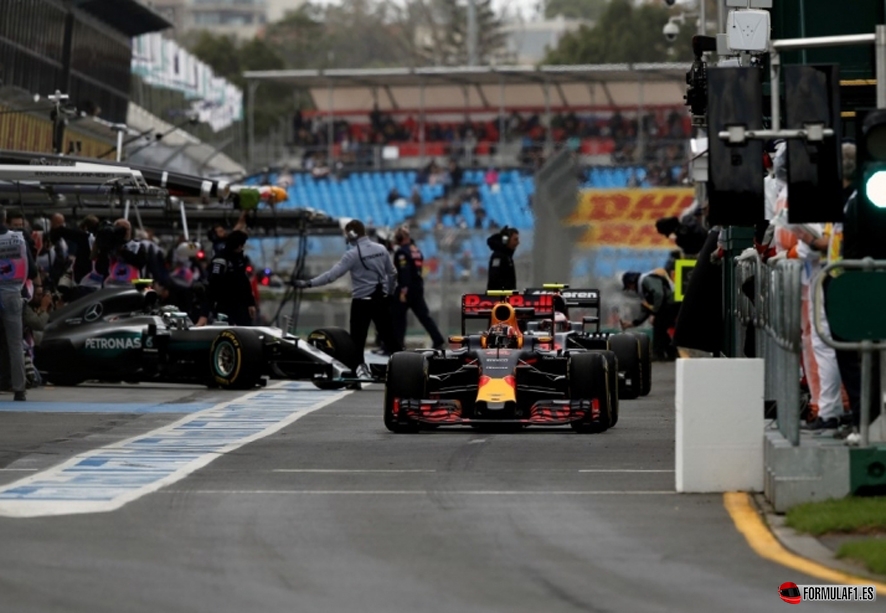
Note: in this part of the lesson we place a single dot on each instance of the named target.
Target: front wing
(542, 413)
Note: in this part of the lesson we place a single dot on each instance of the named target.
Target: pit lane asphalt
(333, 513)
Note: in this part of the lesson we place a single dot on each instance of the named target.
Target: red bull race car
(632, 349)
(502, 375)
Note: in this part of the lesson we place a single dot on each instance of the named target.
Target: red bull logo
(474, 303)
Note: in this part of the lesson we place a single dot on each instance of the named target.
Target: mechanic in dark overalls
(502, 273)
(657, 292)
(373, 278)
(230, 290)
(410, 294)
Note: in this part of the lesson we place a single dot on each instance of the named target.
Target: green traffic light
(875, 189)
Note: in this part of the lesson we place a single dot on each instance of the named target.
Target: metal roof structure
(128, 17)
(338, 90)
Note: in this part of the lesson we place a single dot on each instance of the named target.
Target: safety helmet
(561, 323)
(502, 336)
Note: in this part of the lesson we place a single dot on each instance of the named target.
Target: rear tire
(235, 359)
(612, 369)
(589, 380)
(645, 362)
(627, 349)
(407, 379)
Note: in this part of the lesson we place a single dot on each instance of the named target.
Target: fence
(774, 313)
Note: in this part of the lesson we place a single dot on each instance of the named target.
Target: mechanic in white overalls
(16, 267)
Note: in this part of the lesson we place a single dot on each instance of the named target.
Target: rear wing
(577, 298)
(526, 305)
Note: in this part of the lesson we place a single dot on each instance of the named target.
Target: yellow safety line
(747, 521)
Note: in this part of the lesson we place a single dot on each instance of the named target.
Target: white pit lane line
(107, 478)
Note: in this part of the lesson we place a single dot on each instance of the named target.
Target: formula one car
(123, 334)
(500, 376)
(631, 348)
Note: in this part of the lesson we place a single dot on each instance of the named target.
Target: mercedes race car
(631, 348)
(123, 334)
(501, 376)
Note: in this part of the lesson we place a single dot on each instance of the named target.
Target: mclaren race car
(631, 348)
(501, 376)
(123, 334)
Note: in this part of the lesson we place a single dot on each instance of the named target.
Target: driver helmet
(502, 336)
(561, 323)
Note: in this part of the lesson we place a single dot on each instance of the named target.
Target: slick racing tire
(612, 371)
(645, 362)
(235, 359)
(627, 349)
(589, 380)
(406, 379)
(337, 343)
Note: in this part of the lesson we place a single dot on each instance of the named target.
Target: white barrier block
(719, 442)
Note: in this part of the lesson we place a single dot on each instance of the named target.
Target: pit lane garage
(124, 334)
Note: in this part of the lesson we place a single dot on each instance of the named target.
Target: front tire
(407, 379)
(337, 343)
(235, 359)
(589, 380)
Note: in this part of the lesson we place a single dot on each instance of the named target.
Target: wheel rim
(225, 360)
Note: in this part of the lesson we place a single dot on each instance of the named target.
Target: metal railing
(866, 347)
(775, 313)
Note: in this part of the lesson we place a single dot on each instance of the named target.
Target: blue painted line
(107, 478)
(103, 407)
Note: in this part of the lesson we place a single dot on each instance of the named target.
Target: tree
(229, 60)
(625, 34)
(219, 52)
(443, 24)
(590, 10)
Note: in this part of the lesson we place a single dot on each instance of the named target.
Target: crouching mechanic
(657, 293)
(373, 278)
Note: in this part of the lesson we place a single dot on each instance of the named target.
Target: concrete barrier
(719, 438)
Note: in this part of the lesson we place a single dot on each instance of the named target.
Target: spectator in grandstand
(373, 277)
(410, 293)
(656, 290)
(492, 179)
(415, 198)
(395, 199)
(502, 272)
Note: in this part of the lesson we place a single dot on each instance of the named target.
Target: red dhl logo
(630, 205)
(624, 235)
(473, 303)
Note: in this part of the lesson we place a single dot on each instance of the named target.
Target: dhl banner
(626, 217)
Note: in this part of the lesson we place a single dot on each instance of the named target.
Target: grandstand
(387, 109)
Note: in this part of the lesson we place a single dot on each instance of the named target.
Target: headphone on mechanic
(352, 231)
